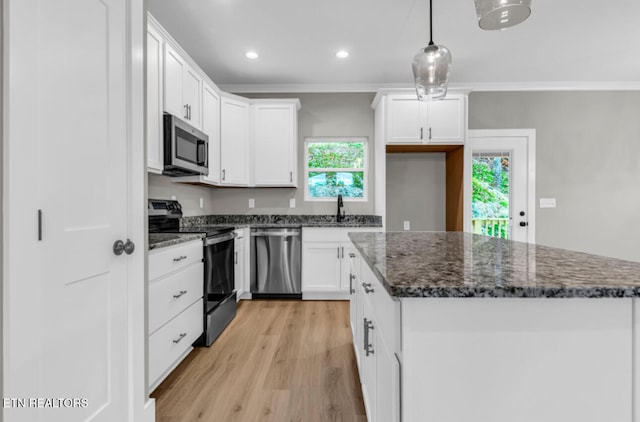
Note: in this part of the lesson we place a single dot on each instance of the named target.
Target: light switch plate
(252, 203)
(547, 202)
(407, 225)
(292, 202)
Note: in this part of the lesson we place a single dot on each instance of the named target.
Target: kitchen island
(458, 327)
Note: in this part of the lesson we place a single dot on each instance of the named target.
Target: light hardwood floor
(277, 361)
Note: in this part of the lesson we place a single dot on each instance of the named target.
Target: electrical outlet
(292, 202)
(173, 197)
(252, 203)
(407, 225)
(201, 202)
(547, 202)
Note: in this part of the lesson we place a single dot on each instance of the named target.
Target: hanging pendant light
(431, 66)
(501, 14)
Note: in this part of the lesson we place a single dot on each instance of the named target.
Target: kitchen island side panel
(510, 359)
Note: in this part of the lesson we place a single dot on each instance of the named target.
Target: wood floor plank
(278, 360)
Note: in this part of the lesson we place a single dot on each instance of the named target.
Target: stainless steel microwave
(186, 149)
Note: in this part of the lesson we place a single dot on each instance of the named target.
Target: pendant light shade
(501, 14)
(431, 66)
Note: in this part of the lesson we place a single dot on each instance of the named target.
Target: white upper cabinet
(182, 88)
(155, 148)
(410, 121)
(211, 126)
(405, 119)
(234, 141)
(275, 139)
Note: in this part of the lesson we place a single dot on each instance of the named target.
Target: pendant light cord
(430, 22)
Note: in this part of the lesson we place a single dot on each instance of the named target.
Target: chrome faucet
(340, 216)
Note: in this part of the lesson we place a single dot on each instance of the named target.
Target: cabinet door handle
(421, 133)
(429, 133)
(183, 335)
(189, 111)
(367, 287)
(368, 347)
(180, 258)
(338, 248)
(224, 174)
(182, 293)
(186, 111)
(291, 176)
(351, 278)
(342, 248)
(352, 255)
(236, 257)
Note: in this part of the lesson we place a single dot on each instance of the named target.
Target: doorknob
(119, 246)
(523, 223)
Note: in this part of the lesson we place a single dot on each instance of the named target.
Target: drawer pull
(352, 255)
(180, 258)
(367, 287)
(182, 293)
(183, 335)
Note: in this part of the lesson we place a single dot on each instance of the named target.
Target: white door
(173, 83)
(500, 184)
(321, 266)
(192, 96)
(211, 126)
(234, 142)
(65, 292)
(405, 120)
(274, 142)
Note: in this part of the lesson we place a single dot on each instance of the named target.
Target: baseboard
(325, 295)
(149, 414)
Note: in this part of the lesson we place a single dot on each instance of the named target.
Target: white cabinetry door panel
(192, 96)
(211, 126)
(173, 70)
(234, 142)
(171, 295)
(274, 144)
(155, 157)
(169, 344)
(240, 272)
(446, 120)
(405, 119)
(320, 266)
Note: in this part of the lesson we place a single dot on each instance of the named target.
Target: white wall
(161, 187)
(588, 158)
(416, 191)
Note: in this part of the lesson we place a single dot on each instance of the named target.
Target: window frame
(337, 139)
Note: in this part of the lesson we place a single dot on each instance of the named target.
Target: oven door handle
(275, 234)
(219, 239)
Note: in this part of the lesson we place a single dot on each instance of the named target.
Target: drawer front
(173, 294)
(165, 260)
(171, 341)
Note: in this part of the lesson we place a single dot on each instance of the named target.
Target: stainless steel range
(218, 286)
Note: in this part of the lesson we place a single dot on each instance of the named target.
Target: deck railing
(494, 227)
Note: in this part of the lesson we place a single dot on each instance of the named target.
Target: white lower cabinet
(375, 322)
(175, 306)
(325, 262)
(241, 263)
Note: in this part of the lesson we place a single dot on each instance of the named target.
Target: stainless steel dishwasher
(275, 263)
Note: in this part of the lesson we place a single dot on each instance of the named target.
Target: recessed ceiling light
(251, 55)
(342, 54)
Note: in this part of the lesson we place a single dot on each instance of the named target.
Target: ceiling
(564, 43)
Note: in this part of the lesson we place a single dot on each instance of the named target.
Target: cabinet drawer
(165, 260)
(170, 342)
(173, 294)
(383, 306)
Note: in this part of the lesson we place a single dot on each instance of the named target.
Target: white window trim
(365, 168)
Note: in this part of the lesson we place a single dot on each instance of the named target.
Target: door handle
(524, 224)
(180, 258)
(182, 293)
(180, 337)
(224, 174)
(342, 248)
(368, 347)
(119, 247)
(429, 133)
(186, 111)
(421, 133)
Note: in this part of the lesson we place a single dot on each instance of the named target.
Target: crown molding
(477, 87)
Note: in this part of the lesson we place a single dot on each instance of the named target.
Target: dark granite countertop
(454, 264)
(162, 240)
(282, 220)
